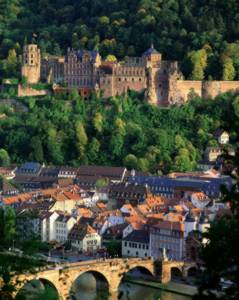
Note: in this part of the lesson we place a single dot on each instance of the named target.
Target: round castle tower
(31, 63)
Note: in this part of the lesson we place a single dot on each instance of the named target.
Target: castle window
(125, 79)
(119, 79)
(140, 79)
(26, 61)
(132, 79)
(31, 61)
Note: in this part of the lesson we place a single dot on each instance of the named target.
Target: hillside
(119, 131)
(177, 28)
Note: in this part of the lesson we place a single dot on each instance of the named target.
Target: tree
(182, 161)
(54, 147)
(228, 68)
(199, 62)
(93, 150)
(37, 148)
(111, 58)
(8, 225)
(81, 139)
(11, 63)
(236, 106)
(98, 122)
(223, 238)
(114, 248)
(131, 161)
(4, 158)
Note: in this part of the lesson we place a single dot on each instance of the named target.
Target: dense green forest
(202, 34)
(122, 130)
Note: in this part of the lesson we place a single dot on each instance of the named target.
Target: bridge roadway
(63, 277)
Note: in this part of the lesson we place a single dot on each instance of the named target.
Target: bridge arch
(192, 271)
(176, 273)
(38, 286)
(89, 280)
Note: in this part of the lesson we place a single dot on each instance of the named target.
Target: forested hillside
(202, 34)
(119, 131)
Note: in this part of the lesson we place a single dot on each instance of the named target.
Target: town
(71, 215)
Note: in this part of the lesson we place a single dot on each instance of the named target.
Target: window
(137, 253)
(125, 243)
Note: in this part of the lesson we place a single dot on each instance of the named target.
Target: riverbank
(178, 288)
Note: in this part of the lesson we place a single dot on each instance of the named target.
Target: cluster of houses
(87, 207)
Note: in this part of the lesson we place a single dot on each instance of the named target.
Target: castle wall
(185, 87)
(214, 88)
(106, 86)
(28, 91)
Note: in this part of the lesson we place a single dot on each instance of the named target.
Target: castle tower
(153, 64)
(31, 63)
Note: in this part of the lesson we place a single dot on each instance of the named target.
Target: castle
(86, 71)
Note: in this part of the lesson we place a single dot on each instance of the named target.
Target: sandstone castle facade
(86, 71)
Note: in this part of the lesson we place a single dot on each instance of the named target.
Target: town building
(222, 136)
(88, 176)
(180, 186)
(84, 238)
(136, 244)
(169, 236)
(48, 226)
(161, 81)
(64, 224)
(212, 153)
(121, 193)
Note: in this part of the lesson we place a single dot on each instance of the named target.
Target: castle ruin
(86, 71)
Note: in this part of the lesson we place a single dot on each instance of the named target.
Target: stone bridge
(63, 276)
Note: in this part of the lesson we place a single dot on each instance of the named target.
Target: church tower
(31, 63)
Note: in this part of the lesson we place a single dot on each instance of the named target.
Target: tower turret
(31, 63)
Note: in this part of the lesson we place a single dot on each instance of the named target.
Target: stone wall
(29, 91)
(185, 87)
(205, 89)
(214, 88)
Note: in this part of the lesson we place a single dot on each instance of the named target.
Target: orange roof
(173, 217)
(90, 230)
(20, 197)
(170, 225)
(156, 216)
(153, 201)
(84, 212)
(135, 219)
(101, 205)
(72, 196)
(137, 225)
(144, 208)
